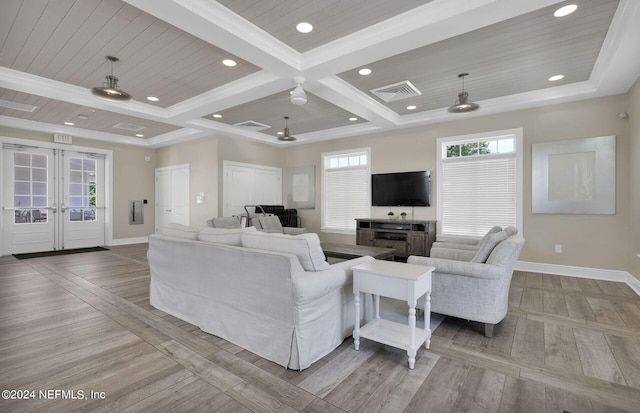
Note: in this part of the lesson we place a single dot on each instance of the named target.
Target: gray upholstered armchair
(474, 285)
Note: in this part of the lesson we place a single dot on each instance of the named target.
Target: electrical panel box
(136, 216)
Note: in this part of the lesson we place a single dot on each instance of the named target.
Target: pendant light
(286, 137)
(110, 89)
(463, 105)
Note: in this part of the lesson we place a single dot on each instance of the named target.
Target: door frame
(108, 176)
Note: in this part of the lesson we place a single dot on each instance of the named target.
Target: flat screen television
(401, 189)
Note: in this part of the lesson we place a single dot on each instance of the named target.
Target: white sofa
(276, 296)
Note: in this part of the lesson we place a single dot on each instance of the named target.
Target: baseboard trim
(128, 241)
(581, 272)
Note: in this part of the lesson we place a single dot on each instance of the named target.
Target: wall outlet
(559, 248)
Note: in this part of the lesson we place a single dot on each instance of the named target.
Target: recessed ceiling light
(353, 119)
(152, 98)
(229, 62)
(139, 135)
(411, 107)
(565, 10)
(304, 27)
(82, 116)
(556, 77)
(69, 123)
(217, 115)
(364, 71)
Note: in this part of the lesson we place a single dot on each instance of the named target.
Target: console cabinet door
(364, 237)
(417, 244)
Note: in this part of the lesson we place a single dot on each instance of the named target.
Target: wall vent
(253, 125)
(396, 91)
(17, 106)
(128, 126)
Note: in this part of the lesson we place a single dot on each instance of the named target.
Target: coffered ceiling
(53, 52)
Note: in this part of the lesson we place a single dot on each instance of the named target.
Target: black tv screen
(401, 189)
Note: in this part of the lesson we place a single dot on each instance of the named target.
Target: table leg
(427, 318)
(411, 350)
(356, 329)
(376, 306)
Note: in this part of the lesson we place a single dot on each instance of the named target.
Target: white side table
(400, 281)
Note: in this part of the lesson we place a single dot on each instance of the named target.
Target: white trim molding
(581, 272)
(129, 241)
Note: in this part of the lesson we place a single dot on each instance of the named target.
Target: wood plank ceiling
(53, 52)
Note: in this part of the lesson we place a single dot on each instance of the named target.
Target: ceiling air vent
(253, 125)
(397, 91)
(17, 106)
(128, 126)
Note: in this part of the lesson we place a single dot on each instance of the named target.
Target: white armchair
(465, 286)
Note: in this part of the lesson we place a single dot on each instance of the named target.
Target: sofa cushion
(226, 222)
(305, 246)
(228, 236)
(180, 231)
(487, 245)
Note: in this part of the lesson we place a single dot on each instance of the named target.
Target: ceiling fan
(298, 96)
(285, 136)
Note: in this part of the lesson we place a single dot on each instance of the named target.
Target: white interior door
(52, 199)
(248, 184)
(29, 206)
(172, 195)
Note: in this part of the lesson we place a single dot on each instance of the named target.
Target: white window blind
(346, 190)
(479, 188)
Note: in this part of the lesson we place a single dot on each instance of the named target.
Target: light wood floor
(83, 322)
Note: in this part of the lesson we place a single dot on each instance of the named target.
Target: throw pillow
(511, 231)
(228, 236)
(179, 231)
(493, 230)
(305, 246)
(270, 224)
(487, 245)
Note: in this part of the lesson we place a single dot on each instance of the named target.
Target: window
(346, 189)
(30, 187)
(82, 189)
(479, 182)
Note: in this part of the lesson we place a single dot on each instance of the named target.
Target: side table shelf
(401, 281)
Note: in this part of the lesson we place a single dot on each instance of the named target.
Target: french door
(52, 199)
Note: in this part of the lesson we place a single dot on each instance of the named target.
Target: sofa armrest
(461, 268)
(459, 240)
(452, 254)
(311, 285)
(441, 244)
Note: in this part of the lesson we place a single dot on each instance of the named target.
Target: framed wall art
(575, 176)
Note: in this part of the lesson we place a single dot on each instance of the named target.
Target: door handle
(63, 207)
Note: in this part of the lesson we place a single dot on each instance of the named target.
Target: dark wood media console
(407, 237)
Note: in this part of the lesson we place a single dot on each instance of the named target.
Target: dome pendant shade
(463, 105)
(110, 89)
